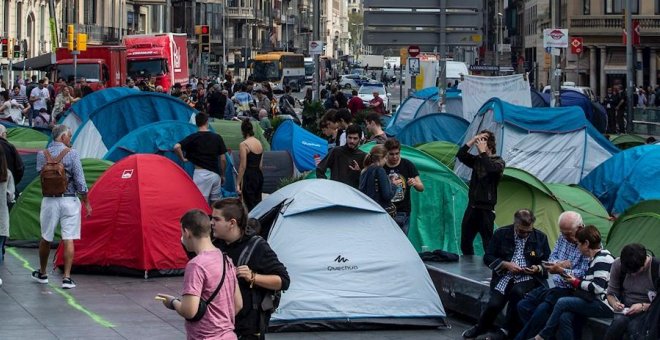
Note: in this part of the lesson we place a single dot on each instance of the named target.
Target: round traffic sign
(413, 50)
(313, 44)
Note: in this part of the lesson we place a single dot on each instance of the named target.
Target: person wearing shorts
(206, 150)
(63, 209)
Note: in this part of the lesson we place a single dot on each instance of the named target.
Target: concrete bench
(464, 288)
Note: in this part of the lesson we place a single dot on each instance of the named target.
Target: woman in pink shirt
(204, 274)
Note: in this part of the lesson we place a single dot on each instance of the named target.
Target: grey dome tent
(351, 265)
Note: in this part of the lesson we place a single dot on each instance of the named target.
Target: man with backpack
(62, 182)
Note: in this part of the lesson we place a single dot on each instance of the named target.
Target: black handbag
(203, 305)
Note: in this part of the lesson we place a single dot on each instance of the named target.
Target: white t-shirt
(42, 94)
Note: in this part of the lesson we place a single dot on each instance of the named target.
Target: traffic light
(70, 31)
(4, 44)
(82, 42)
(204, 38)
(17, 51)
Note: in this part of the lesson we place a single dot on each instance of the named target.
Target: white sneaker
(0, 282)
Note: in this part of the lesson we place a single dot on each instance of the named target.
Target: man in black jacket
(487, 170)
(344, 162)
(514, 255)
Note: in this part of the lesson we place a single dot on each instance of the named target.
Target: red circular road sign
(313, 44)
(413, 50)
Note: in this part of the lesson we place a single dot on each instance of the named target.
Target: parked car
(366, 93)
(587, 91)
(352, 81)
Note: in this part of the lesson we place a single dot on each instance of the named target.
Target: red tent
(134, 228)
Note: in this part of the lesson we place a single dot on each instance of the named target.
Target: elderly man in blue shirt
(62, 209)
(566, 258)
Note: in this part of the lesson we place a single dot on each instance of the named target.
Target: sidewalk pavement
(114, 307)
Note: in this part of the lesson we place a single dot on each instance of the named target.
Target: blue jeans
(403, 220)
(536, 307)
(564, 313)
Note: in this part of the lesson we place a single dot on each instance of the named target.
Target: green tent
(638, 224)
(24, 216)
(230, 130)
(26, 138)
(443, 151)
(627, 141)
(437, 212)
(519, 189)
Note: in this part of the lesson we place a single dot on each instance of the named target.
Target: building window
(19, 14)
(586, 7)
(657, 6)
(616, 6)
(90, 12)
(5, 29)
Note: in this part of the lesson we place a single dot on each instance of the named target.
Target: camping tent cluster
(328, 234)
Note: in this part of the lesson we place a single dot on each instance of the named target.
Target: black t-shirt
(405, 170)
(203, 149)
(217, 103)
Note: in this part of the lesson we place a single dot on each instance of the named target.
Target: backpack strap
(60, 156)
(246, 254)
(49, 158)
(655, 271)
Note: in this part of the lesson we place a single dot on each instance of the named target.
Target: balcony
(612, 25)
(237, 43)
(240, 13)
(100, 34)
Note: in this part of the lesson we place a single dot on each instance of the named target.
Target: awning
(615, 69)
(39, 63)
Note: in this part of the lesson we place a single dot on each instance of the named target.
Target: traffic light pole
(629, 68)
(317, 57)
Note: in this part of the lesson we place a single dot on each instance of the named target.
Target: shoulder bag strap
(655, 269)
(222, 280)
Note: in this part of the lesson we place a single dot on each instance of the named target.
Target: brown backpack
(53, 175)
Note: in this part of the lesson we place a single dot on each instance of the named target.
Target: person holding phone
(514, 255)
(344, 161)
(589, 298)
(487, 170)
(566, 259)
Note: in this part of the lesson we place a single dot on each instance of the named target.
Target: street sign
(505, 48)
(413, 66)
(315, 47)
(484, 68)
(555, 37)
(425, 38)
(413, 50)
(577, 45)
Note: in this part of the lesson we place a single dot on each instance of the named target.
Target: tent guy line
(70, 300)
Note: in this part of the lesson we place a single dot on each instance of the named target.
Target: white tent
(349, 262)
(556, 145)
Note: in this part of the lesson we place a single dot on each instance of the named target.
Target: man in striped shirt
(20, 99)
(566, 259)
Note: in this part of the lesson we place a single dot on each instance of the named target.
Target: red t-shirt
(202, 276)
(380, 108)
(355, 105)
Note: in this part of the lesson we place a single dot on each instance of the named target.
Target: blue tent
(626, 179)
(300, 143)
(539, 99)
(422, 103)
(108, 123)
(79, 112)
(158, 138)
(434, 127)
(557, 145)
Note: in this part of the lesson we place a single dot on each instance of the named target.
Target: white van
(569, 85)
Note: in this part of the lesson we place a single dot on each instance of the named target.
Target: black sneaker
(473, 332)
(68, 283)
(39, 277)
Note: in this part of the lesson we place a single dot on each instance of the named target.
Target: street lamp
(286, 27)
(500, 37)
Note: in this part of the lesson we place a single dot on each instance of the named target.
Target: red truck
(162, 55)
(98, 63)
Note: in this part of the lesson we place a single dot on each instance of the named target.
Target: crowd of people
(615, 103)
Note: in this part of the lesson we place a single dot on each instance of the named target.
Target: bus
(309, 70)
(280, 69)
